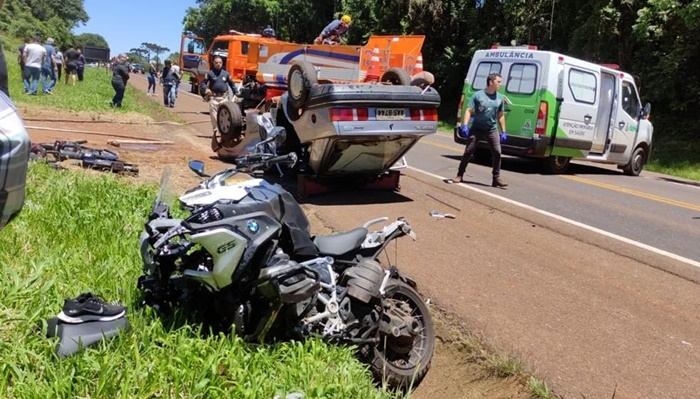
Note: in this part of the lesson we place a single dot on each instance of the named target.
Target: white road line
(573, 222)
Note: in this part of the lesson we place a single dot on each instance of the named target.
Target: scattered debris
(118, 143)
(439, 215)
(90, 158)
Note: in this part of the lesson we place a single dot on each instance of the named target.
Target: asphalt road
(590, 311)
(654, 210)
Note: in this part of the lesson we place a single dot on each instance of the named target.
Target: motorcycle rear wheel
(402, 365)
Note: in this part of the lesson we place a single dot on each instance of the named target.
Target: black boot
(497, 182)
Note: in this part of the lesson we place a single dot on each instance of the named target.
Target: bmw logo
(253, 226)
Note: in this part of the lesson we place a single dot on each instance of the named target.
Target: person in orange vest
(334, 32)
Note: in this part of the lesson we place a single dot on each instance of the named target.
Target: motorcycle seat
(340, 243)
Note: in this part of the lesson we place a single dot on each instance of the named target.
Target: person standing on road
(176, 71)
(215, 87)
(488, 107)
(168, 79)
(20, 58)
(152, 72)
(120, 75)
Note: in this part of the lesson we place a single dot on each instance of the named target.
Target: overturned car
(339, 130)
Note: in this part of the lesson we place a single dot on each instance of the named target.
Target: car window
(630, 101)
(522, 79)
(583, 86)
(482, 72)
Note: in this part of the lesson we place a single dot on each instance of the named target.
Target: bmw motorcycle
(247, 256)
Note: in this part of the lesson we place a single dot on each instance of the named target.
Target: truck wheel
(396, 77)
(229, 122)
(556, 164)
(636, 163)
(302, 75)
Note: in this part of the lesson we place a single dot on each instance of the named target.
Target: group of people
(45, 61)
(169, 78)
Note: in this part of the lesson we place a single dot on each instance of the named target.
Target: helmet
(346, 18)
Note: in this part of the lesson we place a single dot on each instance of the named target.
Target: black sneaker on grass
(89, 307)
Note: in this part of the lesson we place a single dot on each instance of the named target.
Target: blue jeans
(119, 89)
(169, 94)
(47, 71)
(31, 79)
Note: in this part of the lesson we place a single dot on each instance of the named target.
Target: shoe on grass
(89, 307)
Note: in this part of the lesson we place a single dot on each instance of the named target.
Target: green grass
(79, 232)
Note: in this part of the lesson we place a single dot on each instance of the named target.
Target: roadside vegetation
(79, 232)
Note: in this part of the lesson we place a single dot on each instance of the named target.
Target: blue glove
(504, 136)
(464, 131)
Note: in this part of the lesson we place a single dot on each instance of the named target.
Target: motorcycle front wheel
(400, 362)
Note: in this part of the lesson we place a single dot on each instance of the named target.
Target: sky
(125, 24)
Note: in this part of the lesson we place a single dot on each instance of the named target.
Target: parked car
(137, 68)
(14, 156)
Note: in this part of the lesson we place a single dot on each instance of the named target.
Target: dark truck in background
(92, 53)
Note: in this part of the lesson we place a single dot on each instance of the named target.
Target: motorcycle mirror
(198, 168)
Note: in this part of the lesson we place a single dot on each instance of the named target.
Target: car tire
(301, 77)
(636, 164)
(556, 164)
(396, 77)
(229, 122)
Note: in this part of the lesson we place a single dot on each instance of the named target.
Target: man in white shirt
(34, 57)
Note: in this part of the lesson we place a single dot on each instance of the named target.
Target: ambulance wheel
(302, 75)
(396, 76)
(636, 163)
(229, 120)
(556, 164)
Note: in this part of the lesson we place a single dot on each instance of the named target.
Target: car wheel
(636, 164)
(302, 76)
(229, 122)
(396, 77)
(556, 164)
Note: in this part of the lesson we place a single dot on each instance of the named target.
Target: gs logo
(226, 247)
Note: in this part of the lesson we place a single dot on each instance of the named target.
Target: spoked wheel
(402, 357)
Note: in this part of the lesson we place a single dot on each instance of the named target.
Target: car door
(626, 124)
(578, 113)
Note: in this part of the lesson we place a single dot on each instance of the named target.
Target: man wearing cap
(334, 32)
(47, 68)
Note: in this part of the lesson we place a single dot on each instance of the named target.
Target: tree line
(655, 40)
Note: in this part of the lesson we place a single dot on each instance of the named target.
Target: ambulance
(559, 108)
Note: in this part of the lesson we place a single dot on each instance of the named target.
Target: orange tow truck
(251, 58)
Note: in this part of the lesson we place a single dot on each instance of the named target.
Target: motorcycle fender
(364, 280)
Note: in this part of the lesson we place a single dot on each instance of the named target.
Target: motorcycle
(247, 255)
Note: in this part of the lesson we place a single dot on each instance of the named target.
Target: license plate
(390, 114)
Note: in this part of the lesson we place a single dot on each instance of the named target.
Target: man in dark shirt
(215, 87)
(169, 79)
(120, 75)
(71, 62)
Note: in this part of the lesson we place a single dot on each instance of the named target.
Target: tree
(90, 39)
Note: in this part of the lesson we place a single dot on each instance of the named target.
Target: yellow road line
(592, 182)
(634, 192)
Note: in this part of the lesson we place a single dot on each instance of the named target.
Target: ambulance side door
(578, 112)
